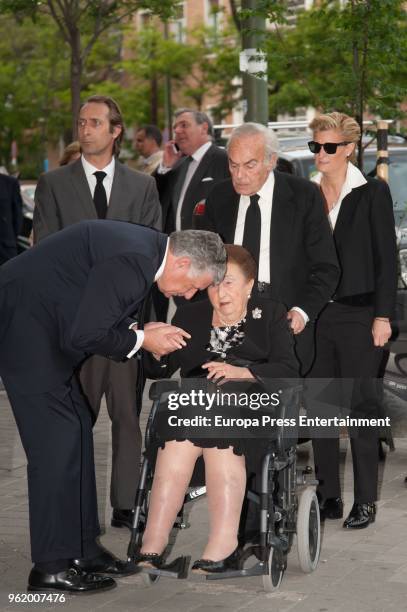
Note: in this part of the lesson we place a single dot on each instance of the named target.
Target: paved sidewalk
(358, 571)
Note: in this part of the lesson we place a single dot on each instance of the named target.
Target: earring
(249, 295)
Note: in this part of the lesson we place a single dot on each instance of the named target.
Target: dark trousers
(345, 350)
(117, 381)
(56, 433)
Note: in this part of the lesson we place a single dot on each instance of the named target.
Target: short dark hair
(152, 131)
(199, 116)
(115, 117)
(242, 258)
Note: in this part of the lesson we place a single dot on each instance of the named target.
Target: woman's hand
(219, 369)
(381, 331)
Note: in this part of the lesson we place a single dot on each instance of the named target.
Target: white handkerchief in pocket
(207, 178)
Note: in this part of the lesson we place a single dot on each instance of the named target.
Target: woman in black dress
(230, 326)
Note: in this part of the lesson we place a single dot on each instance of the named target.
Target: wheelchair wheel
(308, 531)
(275, 570)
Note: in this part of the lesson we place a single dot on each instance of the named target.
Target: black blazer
(365, 241)
(72, 295)
(303, 264)
(212, 168)
(11, 216)
(268, 342)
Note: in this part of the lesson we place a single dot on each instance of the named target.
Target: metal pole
(253, 65)
(382, 164)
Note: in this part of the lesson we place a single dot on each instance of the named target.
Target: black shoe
(106, 563)
(206, 566)
(73, 580)
(122, 518)
(360, 516)
(330, 508)
(148, 560)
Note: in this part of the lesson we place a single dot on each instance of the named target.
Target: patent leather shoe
(330, 508)
(148, 560)
(360, 516)
(207, 566)
(106, 563)
(72, 580)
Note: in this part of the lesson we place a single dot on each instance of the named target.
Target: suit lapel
(199, 174)
(120, 197)
(282, 218)
(228, 210)
(347, 212)
(255, 334)
(80, 185)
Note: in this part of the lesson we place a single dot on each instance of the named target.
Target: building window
(178, 24)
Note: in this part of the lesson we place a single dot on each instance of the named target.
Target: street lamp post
(253, 65)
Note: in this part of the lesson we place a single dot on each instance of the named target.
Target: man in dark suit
(11, 216)
(70, 296)
(191, 166)
(280, 219)
(99, 186)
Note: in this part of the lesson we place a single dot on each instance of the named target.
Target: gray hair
(199, 116)
(254, 129)
(205, 250)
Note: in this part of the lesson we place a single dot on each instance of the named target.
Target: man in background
(148, 142)
(98, 186)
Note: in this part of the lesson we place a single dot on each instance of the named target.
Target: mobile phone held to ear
(175, 147)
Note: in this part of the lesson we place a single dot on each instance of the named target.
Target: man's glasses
(329, 147)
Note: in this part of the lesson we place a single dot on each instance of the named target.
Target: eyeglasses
(329, 147)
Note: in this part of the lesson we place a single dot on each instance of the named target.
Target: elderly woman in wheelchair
(233, 326)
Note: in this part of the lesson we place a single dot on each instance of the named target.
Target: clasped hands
(163, 338)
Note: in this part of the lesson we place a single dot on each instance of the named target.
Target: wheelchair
(286, 500)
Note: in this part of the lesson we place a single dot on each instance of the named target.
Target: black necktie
(99, 197)
(252, 228)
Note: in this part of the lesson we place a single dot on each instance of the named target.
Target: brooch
(256, 313)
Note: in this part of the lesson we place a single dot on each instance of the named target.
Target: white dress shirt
(133, 326)
(91, 178)
(354, 178)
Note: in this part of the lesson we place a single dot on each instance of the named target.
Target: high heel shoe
(207, 566)
(148, 560)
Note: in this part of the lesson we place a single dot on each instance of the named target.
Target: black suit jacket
(267, 346)
(72, 295)
(11, 216)
(303, 264)
(365, 241)
(212, 168)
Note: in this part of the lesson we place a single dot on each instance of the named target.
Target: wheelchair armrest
(162, 386)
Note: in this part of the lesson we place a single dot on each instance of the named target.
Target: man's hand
(381, 331)
(161, 338)
(297, 322)
(170, 156)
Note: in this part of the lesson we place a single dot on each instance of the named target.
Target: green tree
(81, 24)
(348, 57)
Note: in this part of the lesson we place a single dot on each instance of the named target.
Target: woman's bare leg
(174, 466)
(225, 475)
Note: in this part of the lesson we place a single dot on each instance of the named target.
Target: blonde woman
(355, 325)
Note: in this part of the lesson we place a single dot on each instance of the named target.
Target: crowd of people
(301, 280)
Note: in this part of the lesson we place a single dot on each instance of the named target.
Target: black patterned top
(225, 338)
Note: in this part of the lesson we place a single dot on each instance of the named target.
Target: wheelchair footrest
(258, 569)
(176, 569)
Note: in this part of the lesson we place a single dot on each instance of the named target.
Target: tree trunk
(76, 78)
(154, 100)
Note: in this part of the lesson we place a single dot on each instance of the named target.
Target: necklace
(226, 324)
